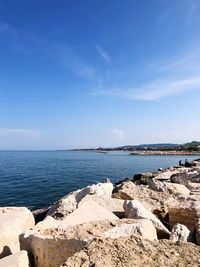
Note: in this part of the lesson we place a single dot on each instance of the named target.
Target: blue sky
(98, 73)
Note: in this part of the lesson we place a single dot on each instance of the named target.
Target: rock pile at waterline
(152, 220)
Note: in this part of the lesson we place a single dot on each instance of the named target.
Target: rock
(156, 185)
(197, 229)
(112, 204)
(144, 228)
(166, 174)
(13, 221)
(40, 214)
(183, 177)
(142, 178)
(184, 211)
(157, 202)
(87, 212)
(47, 223)
(193, 186)
(135, 251)
(19, 259)
(134, 209)
(176, 189)
(50, 248)
(69, 203)
(180, 233)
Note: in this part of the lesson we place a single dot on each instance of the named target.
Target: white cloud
(153, 90)
(103, 53)
(119, 134)
(27, 133)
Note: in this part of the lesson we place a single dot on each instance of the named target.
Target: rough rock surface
(197, 228)
(50, 248)
(134, 251)
(134, 209)
(87, 212)
(176, 189)
(180, 233)
(112, 204)
(47, 223)
(69, 203)
(166, 174)
(144, 228)
(19, 259)
(156, 185)
(142, 178)
(183, 177)
(13, 221)
(157, 202)
(184, 211)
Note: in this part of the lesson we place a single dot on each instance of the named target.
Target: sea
(37, 179)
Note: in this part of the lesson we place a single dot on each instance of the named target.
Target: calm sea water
(36, 179)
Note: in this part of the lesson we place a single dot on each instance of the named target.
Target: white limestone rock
(69, 203)
(134, 209)
(19, 259)
(144, 228)
(87, 212)
(177, 189)
(13, 221)
(112, 204)
(180, 233)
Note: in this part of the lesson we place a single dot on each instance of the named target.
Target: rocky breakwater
(152, 219)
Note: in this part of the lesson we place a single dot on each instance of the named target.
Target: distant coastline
(190, 148)
(165, 153)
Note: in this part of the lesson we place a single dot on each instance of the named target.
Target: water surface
(38, 178)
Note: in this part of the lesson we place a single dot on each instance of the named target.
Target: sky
(81, 74)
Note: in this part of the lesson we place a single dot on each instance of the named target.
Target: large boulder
(177, 189)
(184, 211)
(134, 209)
(183, 177)
(112, 204)
(166, 174)
(142, 178)
(180, 233)
(69, 203)
(135, 251)
(13, 221)
(87, 212)
(47, 223)
(19, 259)
(156, 185)
(144, 228)
(51, 247)
(157, 202)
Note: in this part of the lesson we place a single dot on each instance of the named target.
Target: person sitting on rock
(180, 163)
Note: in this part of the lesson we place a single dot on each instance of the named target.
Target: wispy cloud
(119, 134)
(154, 90)
(27, 133)
(103, 53)
(175, 76)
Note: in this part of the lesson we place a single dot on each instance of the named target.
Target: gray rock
(156, 185)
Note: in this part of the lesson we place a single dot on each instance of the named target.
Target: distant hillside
(190, 146)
